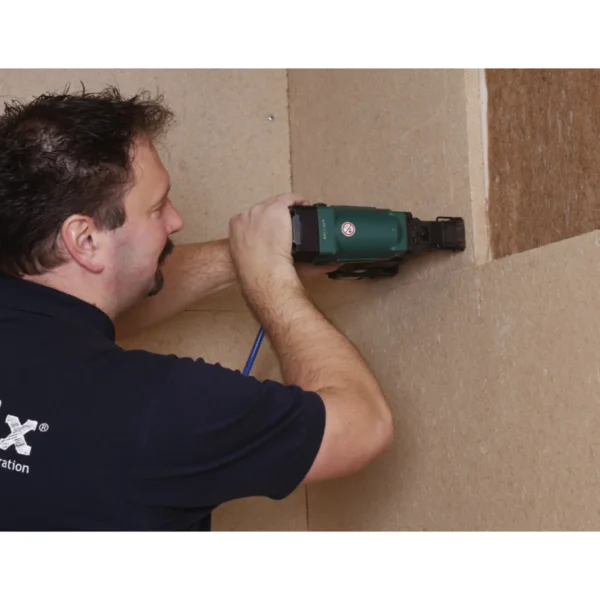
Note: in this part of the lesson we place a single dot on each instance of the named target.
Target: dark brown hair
(63, 154)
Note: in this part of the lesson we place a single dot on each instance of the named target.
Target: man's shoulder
(151, 366)
(175, 375)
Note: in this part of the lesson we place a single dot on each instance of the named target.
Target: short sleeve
(213, 435)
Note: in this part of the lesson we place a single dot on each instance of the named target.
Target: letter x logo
(17, 434)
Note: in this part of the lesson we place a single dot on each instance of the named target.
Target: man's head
(84, 194)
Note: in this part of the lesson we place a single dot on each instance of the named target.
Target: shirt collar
(28, 296)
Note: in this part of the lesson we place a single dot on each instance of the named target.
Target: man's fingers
(282, 200)
(291, 200)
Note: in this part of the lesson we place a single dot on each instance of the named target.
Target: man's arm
(191, 272)
(312, 353)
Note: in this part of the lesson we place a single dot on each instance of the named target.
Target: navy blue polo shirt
(96, 437)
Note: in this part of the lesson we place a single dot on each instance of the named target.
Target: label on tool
(348, 229)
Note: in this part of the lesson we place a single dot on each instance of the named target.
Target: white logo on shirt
(17, 434)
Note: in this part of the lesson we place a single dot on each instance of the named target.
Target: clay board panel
(224, 153)
(544, 161)
(387, 138)
(494, 379)
(226, 337)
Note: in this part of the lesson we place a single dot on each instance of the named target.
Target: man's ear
(81, 238)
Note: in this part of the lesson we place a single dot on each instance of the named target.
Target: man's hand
(263, 234)
(260, 241)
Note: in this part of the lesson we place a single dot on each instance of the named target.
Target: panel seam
(289, 115)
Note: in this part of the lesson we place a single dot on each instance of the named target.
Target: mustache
(169, 246)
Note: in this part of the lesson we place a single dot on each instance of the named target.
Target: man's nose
(175, 222)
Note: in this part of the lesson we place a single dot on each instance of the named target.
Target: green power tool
(368, 242)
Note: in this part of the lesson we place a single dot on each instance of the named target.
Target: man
(94, 437)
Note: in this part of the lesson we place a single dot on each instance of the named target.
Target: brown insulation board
(223, 153)
(544, 156)
(494, 381)
(390, 138)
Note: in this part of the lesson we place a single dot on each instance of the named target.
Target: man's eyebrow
(164, 197)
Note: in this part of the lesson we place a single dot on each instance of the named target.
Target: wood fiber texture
(389, 138)
(223, 153)
(544, 156)
(493, 378)
(490, 367)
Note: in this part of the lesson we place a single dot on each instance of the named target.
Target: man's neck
(71, 284)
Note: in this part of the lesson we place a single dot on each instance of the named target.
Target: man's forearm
(311, 351)
(192, 272)
(315, 356)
